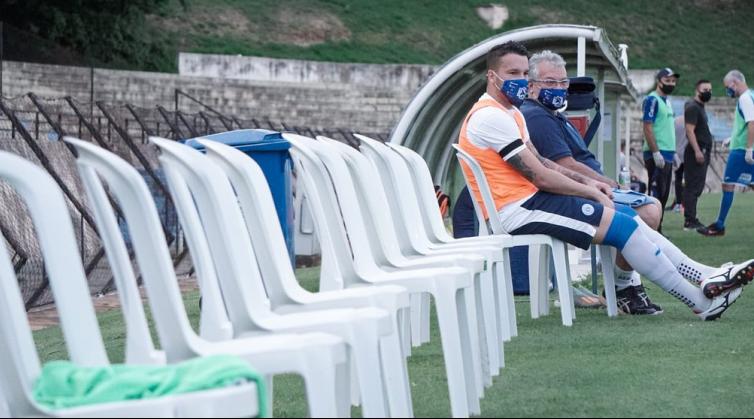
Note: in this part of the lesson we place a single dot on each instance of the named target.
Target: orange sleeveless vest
(506, 183)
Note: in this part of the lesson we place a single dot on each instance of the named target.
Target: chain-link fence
(33, 128)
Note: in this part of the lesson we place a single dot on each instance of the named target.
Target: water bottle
(625, 179)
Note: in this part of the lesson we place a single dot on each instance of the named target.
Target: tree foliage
(107, 32)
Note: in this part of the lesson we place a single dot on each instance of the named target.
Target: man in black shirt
(698, 152)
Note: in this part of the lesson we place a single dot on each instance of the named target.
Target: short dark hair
(702, 81)
(499, 51)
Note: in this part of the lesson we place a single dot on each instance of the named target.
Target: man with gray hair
(558, 140)
(740, 167)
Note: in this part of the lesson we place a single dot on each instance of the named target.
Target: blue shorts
(568, 218)
(738, 171)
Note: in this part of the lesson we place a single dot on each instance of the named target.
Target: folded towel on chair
(64, 385)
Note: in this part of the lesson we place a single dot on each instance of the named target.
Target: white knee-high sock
(689, 268)
(624, 279)
(649, 260)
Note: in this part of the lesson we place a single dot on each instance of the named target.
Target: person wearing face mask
(659, 132)
(556, 139)
(740, 167)
(696, 157)
(534, 195)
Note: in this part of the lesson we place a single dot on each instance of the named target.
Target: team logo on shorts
(588, 209)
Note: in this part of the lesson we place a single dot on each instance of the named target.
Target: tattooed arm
(576, 176)
(549, 180)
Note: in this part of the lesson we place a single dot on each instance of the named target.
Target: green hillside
(698, 38)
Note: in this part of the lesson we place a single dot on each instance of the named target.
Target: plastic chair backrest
(342, 207)
(398, 187)
(425, 193)
(216, 205)
(214, 323)
(484, 188)
(378, 215)
(19, 361)
(337, 258)
(258, 207)
(130, 190)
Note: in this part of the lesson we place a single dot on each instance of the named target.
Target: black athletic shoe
(694, 224)
(712, 231)
(634, 301)
(641, 293)
(727, 278)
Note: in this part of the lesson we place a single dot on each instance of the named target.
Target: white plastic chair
(284, 292)
(437, 233)
(343, 227)
(538, 272)
(315, 356)
(382, 230)
(416, 239)
(19, 360)
(244, 289)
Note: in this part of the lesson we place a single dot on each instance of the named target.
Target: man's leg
(696, 178)
(679, 175)
(736, 171)
(624, 233)
(647, 256)
(651, 177)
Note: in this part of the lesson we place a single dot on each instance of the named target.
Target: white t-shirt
(491, 127)
(746, 104)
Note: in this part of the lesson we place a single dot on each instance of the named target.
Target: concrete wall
(359, 76)
(317, 100)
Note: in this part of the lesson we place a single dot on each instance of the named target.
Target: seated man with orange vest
(533, 195)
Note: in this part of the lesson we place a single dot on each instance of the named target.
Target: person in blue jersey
(740, 167)
(659, 135)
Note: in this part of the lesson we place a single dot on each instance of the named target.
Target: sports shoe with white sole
(727, 278)
(720, 304)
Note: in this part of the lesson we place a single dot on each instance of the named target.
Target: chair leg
(416, 320)
(560, 256)
(321, 383)
(395, 376)
(487, 313)
(471, 346)
(534, 280)
(511, 297)
(450, 332)
(366, 355)
(608, 261)
(425, 328)
(545, 276)
(344, 388)
(501, 298)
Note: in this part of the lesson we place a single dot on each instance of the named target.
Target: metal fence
(33, 127)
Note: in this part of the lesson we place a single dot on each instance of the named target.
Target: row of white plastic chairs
(349, 341)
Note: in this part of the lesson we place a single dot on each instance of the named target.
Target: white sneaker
(720, 304)
(727, 278)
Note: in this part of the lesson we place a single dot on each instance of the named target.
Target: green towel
(64, 385)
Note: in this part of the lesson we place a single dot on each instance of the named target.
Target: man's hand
(659, 160)
(603, 199)
(750, 156)
(604, 188)
(700, 159)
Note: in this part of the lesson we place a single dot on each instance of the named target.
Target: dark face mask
(705, 96)
(667, 88)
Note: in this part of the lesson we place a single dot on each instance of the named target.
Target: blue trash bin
(270, 150)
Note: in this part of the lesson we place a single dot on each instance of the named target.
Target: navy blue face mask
(553, 98)
(730, 92)
(515, 90)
